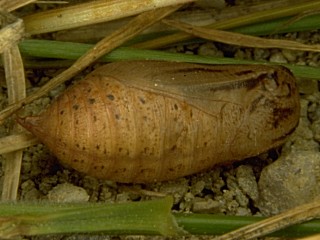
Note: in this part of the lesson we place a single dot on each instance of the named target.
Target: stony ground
(264, 185)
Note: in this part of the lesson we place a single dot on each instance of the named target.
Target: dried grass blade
(240, 39)
(313, 237)
(11, 33)
(90, 13)
(16, 91)
(15, 80)
(17, 142)
(95, 32)
(291, 217)
(246, 19)
(198, 17)
(14, 4)
(14, 70)
(106, 45)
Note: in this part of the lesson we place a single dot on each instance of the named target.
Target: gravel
(263, 185)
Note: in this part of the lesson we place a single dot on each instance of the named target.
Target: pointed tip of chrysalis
(31, 123)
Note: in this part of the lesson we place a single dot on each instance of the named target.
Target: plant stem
(146, 217)
(72, 51)
(210, 224)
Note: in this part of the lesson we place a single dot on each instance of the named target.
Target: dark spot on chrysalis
(110, 97)
(142, 100)
(244, 72)
(146, 149)
(89, 90)
(117, 116)
(91, 100)
(83, 148)
(61, 112)
(173, 147)
(77, 122)
(77, 145)
(175, 106)
(94, 118)
(102, 167)
(255, 103)
(75, 160)
(281, 114)
(75, 106)
(98, 147)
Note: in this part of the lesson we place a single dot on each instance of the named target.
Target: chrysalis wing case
(145, 121)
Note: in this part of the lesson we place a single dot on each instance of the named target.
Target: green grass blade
(267, 15)
(142, 218)
(209, 224)
(147, 218)
(280, 26)
(247, 19)
(72, 51)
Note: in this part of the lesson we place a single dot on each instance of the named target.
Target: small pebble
(247, 181)
(206, 205)
(68, 193)
(316, 130)
(290, 55)
(278, 58)
(197, 187)
(260, 54)
(29, 191)
(176, 188)
(290, 181)
(209, 49)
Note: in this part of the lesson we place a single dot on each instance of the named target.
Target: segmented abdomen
(108, 130)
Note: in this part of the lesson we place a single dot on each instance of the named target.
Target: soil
(264, 185)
